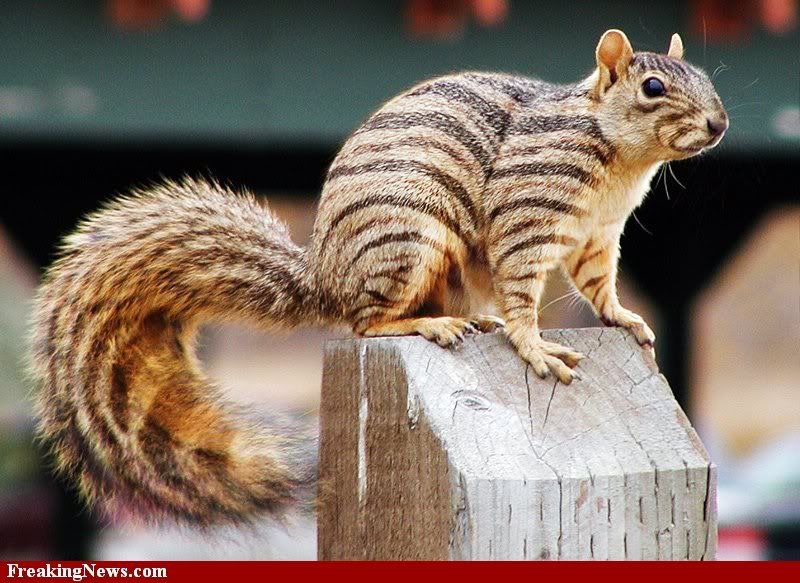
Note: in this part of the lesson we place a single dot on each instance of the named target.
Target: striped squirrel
(466, 187)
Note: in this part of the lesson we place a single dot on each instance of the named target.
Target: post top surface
(497, 420)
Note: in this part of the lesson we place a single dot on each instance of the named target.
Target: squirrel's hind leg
(417, 304)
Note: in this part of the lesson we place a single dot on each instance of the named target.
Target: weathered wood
(429, 453)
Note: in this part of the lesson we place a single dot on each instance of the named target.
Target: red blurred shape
(146, 14)
(779, 16)
(723, 20)
(448, 18)
(741, 543)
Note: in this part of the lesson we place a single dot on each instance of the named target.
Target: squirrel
(467, 187)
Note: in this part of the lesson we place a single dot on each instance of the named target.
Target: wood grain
(429, 453)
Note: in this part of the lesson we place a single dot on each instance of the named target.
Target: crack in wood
(549, 403)
(528, 392)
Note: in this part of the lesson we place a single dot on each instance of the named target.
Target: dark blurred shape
(146, 14)
(784, 543)
(448, 18)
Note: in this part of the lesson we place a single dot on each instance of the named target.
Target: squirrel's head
(655, 107)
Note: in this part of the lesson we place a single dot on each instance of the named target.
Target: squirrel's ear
(675, 47)
(613, 54)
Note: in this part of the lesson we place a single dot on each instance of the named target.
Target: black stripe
(115, 480)
(545, 169)
(106, 479)
(602, 155)
(596, 292)
(447, 124)
(534, 241)
(668, 66)
(362, 228)
(168, 456)
(356, 311)
(584, 259)
(655, 62)
(521, 226)
(390, 274)
(678, 64)
(644, 60)
(391, 200)
(589, 283)
(528, 276)
(515, 308)
(519, 89)
(70, 437)
(417, 142)
(118, 396)
(405, 267)
(108, 440)
(536, 202)
(160, 448)
(670, 118)
(521, 295)
(377, 296)
(672, 66)
(529, 90)
(569, 92)
(491, 113)
(450, 184)
(540, 124)
(390, 238)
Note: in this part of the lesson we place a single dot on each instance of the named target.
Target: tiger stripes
(467, 187)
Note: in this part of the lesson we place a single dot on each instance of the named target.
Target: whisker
(671, 171)
(738, 105)
(705, 40)
(558, 299)
(746, 116)
(660, 175)
(576, 299)
(745, 88)
(647, 30)
(722, 67)
(749, 85)
(666, 186)
(645, 229)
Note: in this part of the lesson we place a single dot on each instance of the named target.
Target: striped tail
(122, 402)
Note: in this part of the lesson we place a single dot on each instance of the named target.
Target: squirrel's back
(414, 173)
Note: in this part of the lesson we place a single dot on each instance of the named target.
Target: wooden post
(429, 453)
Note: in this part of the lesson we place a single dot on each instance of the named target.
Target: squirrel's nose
(717, 125)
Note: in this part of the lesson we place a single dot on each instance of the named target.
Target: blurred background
(99, 96)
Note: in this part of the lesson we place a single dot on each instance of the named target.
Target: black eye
(653, 87)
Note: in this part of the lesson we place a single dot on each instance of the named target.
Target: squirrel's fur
(464, 188)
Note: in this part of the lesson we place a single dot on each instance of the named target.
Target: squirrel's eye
(653, 87)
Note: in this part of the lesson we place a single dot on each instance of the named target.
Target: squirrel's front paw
(633, 322)
(445, 331)
(487, 323)
(545, 357)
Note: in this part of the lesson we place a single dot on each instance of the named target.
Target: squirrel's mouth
(698, 146)
(713, 141)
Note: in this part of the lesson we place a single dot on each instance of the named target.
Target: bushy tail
(122, 401)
